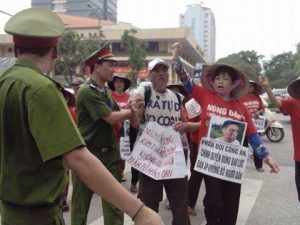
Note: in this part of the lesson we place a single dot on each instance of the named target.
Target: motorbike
(269, 126)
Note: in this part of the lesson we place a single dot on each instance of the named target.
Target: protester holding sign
(222, 86)
(119, 85)
(192, 111)
(291, 107)
(158, 152)
(255, 107)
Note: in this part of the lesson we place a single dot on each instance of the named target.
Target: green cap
(30, 26)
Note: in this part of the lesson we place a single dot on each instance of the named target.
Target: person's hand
(263, 81)
(179, 126)
(147, 216)
(272, 164)
(137, 101)
(176, 47)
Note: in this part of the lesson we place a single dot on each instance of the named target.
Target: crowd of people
(46, 131)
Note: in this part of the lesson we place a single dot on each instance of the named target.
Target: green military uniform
(94, 103)
(36, 129)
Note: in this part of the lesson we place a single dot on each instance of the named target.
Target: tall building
(201, 20)
(100, 9)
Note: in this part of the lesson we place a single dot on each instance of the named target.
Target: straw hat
(179, 86)
(258, 90)
(294, 88)
(239, 78)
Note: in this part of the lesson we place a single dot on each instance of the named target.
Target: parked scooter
(272, 129)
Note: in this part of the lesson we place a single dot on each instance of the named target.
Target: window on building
(153, 46)
(9, 50)
(116, 47)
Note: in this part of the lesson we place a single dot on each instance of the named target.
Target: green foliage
(280, 70)
(136, 50)
(72, 51)
(246, 61)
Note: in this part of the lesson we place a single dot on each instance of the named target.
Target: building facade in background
(201, 20)
(159, 42)
(99, 9)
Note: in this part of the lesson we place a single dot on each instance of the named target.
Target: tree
(280, 69)
(136, 50)
(72, 51)
(296, 68)
(246, 61)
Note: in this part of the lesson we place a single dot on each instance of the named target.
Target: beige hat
(294, 88)
(258, 90)
(239, 78)
(77, 81)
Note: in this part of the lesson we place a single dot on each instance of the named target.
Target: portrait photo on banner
(227, 130)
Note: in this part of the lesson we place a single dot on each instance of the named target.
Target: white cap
(156, 62)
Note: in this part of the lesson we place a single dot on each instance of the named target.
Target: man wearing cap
(291, 107)
(98, 118)
(38, 135)
(163, 107)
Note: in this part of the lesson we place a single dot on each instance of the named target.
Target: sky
(269, 27)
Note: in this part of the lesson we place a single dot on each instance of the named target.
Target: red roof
(80, 22)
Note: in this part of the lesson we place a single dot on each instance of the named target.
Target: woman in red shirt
(222, 86)
(255, 106)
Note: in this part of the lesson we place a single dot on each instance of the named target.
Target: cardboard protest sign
(222, 160)
(158, 153)
(227, 130)
(193, 108)
(125, 142)
(259, 123)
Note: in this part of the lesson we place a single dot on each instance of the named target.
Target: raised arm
(179, 69)
(263, 81)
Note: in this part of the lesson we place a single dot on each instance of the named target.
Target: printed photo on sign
(158, 153)
(259, 123)
(227, 130)
(193, 108)
(222, 160)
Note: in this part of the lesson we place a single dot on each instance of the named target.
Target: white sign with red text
(158, 153)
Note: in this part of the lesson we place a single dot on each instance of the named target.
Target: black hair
(230, 122)
(226, 69)
(19, 50)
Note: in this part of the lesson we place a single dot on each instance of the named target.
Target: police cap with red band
(35, 28)
(102, 54)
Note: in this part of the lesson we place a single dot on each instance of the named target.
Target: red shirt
(252, 102)
(291, 106)
(213, 104)
(122, 103)
(121, 99)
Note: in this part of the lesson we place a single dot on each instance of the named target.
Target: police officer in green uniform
(38, 135)
(98, 117)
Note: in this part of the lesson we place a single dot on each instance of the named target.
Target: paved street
(267, 199)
